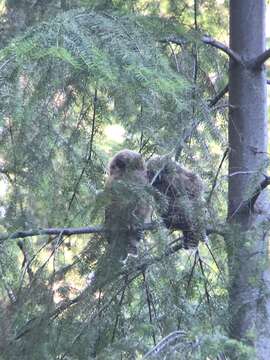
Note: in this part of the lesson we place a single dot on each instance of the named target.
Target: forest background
(80, 80)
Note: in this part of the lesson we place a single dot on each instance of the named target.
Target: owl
(182, 190)
(127, 205)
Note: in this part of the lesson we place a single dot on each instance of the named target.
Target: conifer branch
(257, 63)
(63, 231)
(98, 229)
(129, 276)
(32, 324)
(232, 54)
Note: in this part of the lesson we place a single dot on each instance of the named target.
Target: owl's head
(125, 162)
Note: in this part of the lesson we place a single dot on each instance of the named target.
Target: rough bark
(20, 14)
(247, 249)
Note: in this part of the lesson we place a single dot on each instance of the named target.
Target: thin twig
(174, 39)
(217, 174)
(164, 343)
(215, 261)
(219, 96)
(148, 298)
(26, 260)
(91, 318)
(232, 54)
(118, 312)
(63, 306)
(205, 282)
(192, 271)
(52, 231)
(89, 157)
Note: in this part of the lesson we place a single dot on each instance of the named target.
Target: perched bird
(183, 192)
(127, 207)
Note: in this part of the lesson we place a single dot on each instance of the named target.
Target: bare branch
(150, 305)
(217, 174)
(258, 62)
(26, 259)
(259, 189)
(98, 229)
(219, 96)
(52, 231)
(174, 40)
(232, 54)
(170, 339)
(63, 231)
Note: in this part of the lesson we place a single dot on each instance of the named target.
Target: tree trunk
(249, 303)
(21, 14)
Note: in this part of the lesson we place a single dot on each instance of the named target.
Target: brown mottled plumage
(127, 202)
(182, 189)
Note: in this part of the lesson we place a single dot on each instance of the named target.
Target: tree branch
(98, 229)
(225, 155)
(52, 231)
(26, 259)
(219, 96)
(174, 40)
(63, 231)
(232, 54)
(258, 61)
(133, 273)
(259, 189)
(166, 342)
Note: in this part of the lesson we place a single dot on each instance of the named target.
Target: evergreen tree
(74, 73)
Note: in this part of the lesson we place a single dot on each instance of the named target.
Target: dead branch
(170, 339)
(26, 259)
(217, 174)
(99, 229)
(232, 54)
(52, 231)
(258, 62)
(219, 96)
(257, 192)
(175, 40)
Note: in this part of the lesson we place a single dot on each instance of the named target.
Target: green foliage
(63, 82)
